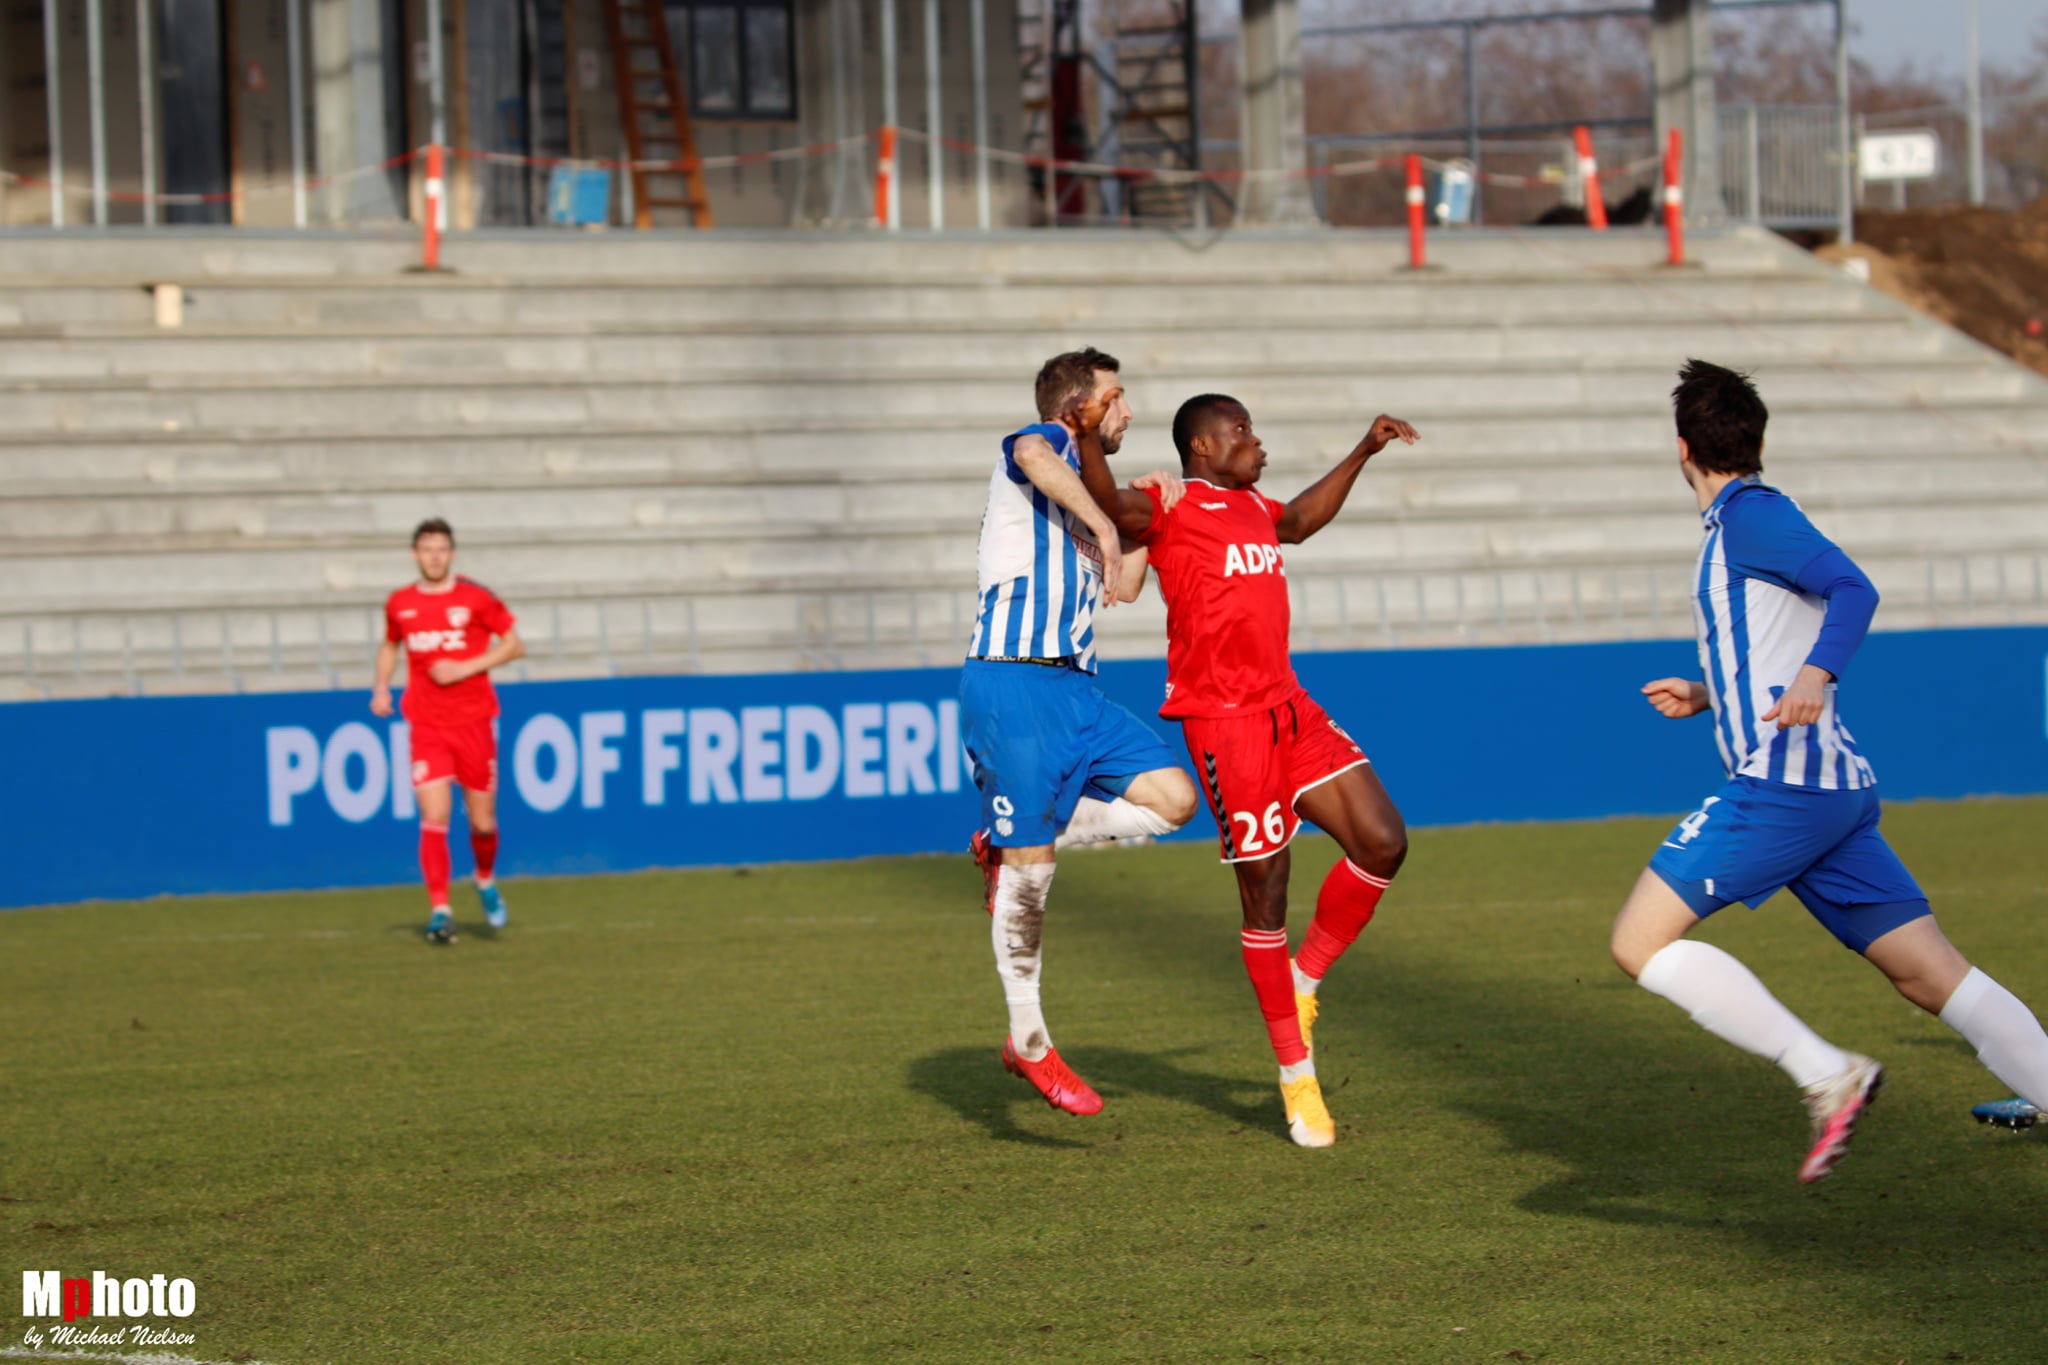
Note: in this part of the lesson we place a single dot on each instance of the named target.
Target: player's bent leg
(1355, 809)
(1727, 1000)
(1922, 965)
(1929, 971)
(1150, 804)
(1168, 793)
(1651, 919)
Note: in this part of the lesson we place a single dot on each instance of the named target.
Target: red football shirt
(1217, 556)
(456, 624)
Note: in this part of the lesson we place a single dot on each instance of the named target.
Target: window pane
(768, 75)
(715, 59)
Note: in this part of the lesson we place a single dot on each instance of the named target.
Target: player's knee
(1176, 801)
(1624, 956)
(484, 824)
(1630, 948)
(1385, 848)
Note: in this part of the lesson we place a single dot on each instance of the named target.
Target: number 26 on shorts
(1275, 829)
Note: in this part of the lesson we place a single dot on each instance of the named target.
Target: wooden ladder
(653, 113)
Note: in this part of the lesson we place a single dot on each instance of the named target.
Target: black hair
(1193, 419)
(433, 526)
(1721, 418)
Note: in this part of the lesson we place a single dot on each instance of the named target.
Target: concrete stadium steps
(1264, 342)
(1198, 301)
(1531, 387)
(49, 573)
(429, 459)
(581, 636)
(1402, 484)
(259, 256)
(731, 453)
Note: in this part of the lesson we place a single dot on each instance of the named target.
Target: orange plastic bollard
(1417, 248)
(1589, 175)
(435, 195)
(1674, 198)
(885, 173)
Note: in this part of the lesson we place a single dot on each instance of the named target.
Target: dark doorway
(190, 44)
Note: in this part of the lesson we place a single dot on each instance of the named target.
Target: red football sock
(485, 846)
(1343, 907)
(1265, 961)
(434, 863)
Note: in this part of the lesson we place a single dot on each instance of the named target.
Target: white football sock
(2005, 1033)
(1290, 1074)
(1725, 998)
(1015, 928)
(1303, 982)
(1098, 822)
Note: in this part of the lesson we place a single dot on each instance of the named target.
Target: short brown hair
(433, 526)
(1067, 374)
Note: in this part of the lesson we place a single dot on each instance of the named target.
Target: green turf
(759, 1117)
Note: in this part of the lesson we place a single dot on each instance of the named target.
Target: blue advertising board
(305, 790)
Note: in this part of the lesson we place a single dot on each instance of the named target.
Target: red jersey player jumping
(1264, 752)
(446, 623)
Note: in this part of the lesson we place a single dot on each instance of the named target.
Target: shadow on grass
(972, 1083)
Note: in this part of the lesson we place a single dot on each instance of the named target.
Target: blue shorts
(1754, 838)
(1040, 738)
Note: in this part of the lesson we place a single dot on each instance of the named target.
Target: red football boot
(1054, 1079)
(989, 859)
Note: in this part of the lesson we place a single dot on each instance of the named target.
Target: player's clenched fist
(1676, 697)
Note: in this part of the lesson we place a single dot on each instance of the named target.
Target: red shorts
(1255, 766)
(466, 753)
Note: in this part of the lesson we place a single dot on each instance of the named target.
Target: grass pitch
(758, 1116)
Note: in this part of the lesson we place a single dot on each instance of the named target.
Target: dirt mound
(1982, 270)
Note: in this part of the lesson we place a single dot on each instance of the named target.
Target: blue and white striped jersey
(1040, 567)
(1757, 627)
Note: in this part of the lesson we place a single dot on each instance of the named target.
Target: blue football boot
(2012, 1113)
(494, 905)
(441, 927)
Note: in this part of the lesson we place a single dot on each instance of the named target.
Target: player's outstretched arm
(380, 690)
(1052, 476)
(508, 648)
(1317, 505)
(1676, 697)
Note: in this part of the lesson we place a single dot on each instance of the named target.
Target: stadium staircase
(740, 453)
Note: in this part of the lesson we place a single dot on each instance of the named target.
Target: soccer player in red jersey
(445, 622)
(1265, 754)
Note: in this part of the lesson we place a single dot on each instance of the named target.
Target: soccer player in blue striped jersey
(1779, 612)
(1057, 762)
